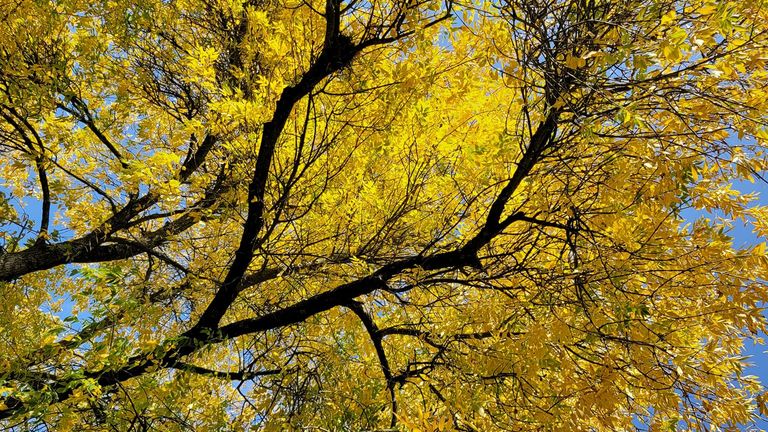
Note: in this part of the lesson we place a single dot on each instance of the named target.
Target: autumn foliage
(412, 215)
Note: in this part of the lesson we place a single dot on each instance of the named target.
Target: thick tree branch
(376, 339)
(194, 160)
(533, 153)
(90, 248)
(45, 213)
(337, 53)
(232, 376)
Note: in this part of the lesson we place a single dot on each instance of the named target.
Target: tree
(410, 214)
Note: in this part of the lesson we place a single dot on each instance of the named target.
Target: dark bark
(337, 53)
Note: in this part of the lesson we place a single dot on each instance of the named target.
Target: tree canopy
(356, 215)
